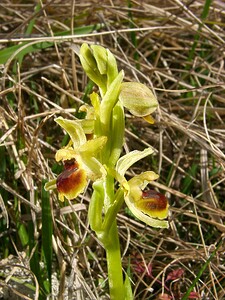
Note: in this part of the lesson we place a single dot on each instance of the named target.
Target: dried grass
(188, 137)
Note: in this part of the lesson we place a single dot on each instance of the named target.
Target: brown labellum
(153, 204)
(154, 200)
(72, 180)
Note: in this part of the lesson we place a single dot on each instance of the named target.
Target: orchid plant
(98, 159)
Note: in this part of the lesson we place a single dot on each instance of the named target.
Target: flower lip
(153, 203)
(72, 181)
(154, 200)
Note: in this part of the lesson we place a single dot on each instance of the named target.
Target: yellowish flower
(148, 206)
(80, 161)
(72, 181)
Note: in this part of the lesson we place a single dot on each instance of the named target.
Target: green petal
(126, 161)
(100, 55)
(143, 179)
(93, 167)
(51, 185)
(74, 129)
(92, 147)
(138, 183)
(138, 99)
(66, 154)
(89, 110)
(87, 125)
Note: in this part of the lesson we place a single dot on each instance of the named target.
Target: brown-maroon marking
(153, 200)
(69, 179)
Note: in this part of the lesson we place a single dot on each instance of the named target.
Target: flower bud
(138, 99)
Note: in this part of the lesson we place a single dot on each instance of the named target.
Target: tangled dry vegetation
(177, 49)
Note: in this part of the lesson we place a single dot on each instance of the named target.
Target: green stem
(110, 240)
(112, 211)
(113, 256)
(108, 234)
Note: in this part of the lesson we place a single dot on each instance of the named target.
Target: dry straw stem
(166, 45)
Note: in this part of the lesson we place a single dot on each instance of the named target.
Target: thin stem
(113, 256)
(110, 240)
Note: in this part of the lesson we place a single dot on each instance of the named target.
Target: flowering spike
(93, 153)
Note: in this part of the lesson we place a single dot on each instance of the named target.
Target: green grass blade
(47, 229)
(204, 15)
(206, 8)
(32, 21)
(187, 183)
(6, 53)
(33, 251)
(127, 284)
(27, 33)
(22, 232)
(205, 265)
